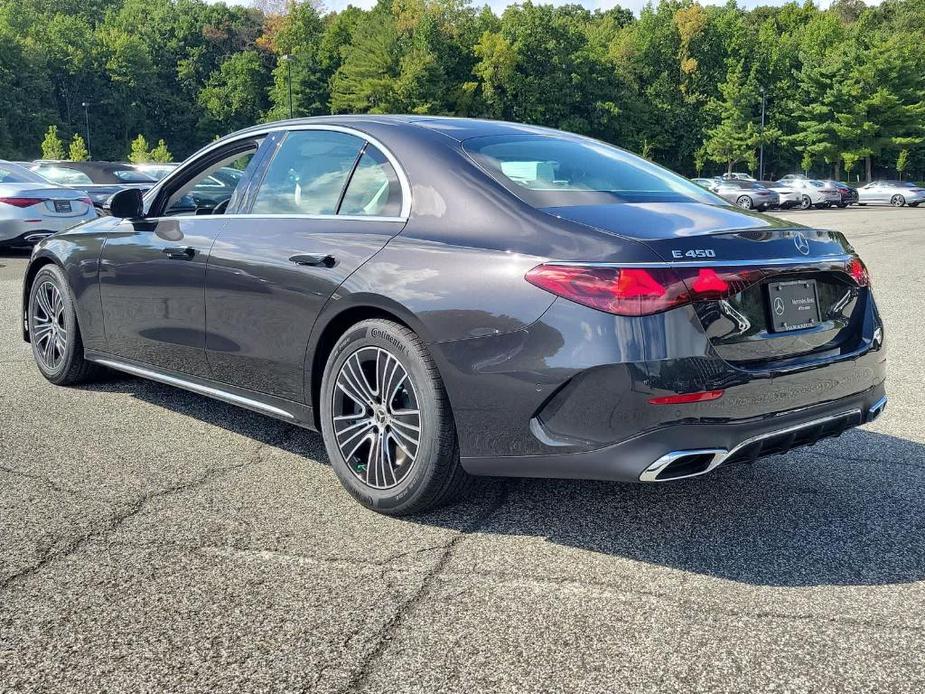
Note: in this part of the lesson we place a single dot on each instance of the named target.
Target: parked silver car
(789, 196)
(32, 207)
(813, 193)
(895, 193)
(747, 194)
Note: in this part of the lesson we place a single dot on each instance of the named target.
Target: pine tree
(160, 153)
(52, 146)
(735, 137)
(139, 153)
(77, 151)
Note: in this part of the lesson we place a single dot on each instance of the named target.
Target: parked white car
(812, 193)
(895, 193)
(32, 207)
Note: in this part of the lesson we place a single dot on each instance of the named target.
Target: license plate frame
(793, 305)
(63, 206)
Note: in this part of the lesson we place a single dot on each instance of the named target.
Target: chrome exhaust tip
(679, 465)
(876, 409)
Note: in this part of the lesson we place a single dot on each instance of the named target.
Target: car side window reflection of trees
(308, 173)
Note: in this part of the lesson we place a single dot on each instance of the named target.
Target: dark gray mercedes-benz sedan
(444, 298)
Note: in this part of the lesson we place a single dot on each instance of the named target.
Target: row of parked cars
(40, 198)
(795, 190)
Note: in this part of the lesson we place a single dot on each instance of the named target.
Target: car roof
(458, 129)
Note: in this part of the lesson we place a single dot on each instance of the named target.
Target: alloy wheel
(49, 328)
(805, 202)
(377, 420)
(897, 201)
(745, 202)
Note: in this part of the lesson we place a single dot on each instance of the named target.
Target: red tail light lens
(86, 201)
(22, 202)
(622, 291)
(640, 291)
(858, 272)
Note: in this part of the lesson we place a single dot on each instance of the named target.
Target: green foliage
(139, 153)
(52, 146)
(902, 162)
(681, 82)
(77, 151)
(161, 154)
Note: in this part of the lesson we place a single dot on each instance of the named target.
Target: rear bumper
(656, 455)
(20, 232)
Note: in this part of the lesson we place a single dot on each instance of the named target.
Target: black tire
(805, 202)
(745, 202)
(434, 477)
(66, 366)
(842, 205)
(913, 204)
(897, 201)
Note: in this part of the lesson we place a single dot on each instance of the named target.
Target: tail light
(858, 272)
(86, 201)
(640, 291)
(22, 202)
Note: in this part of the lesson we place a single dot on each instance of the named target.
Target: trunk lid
(807, 268)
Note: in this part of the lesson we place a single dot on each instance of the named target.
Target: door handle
(314, 259)
(179, 252)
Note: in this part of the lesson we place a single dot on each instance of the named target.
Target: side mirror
(126, 204)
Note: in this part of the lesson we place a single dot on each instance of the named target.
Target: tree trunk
(867, 167)
(838, 169)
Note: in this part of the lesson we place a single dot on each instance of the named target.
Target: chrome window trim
(403, 215)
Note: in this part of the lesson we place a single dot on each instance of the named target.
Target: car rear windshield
(561, 172)
(11, 173)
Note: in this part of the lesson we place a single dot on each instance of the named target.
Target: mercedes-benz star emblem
(801, 243)
(779, 306)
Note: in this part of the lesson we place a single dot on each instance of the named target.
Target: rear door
(328, 201)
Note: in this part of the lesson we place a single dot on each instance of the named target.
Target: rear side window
(132, 176)
(550, 171)
(374, 189)
(65, 175)
(308, 173)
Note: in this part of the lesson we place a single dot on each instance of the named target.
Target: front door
(327, 203)
(153, 273)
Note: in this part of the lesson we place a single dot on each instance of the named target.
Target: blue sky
(499, 5)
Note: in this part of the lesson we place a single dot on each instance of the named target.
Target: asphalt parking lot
(153, 540)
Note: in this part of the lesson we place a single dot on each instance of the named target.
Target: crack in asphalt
(113, 521)
(392, 626)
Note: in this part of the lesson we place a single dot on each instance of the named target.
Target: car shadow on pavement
(848, 511)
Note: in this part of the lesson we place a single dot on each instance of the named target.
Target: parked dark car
(100, 179)
(444, 298)
(849, 196)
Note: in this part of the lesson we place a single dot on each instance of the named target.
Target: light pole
(761, 144)
(86, 105)
(288, 60)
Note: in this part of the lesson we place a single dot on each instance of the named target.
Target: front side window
(549, 171)
(374, 189)
(308, 173)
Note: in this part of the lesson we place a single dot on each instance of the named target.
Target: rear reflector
(684, 398)
(22, 202)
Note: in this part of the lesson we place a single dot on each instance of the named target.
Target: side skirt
(279, 408)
